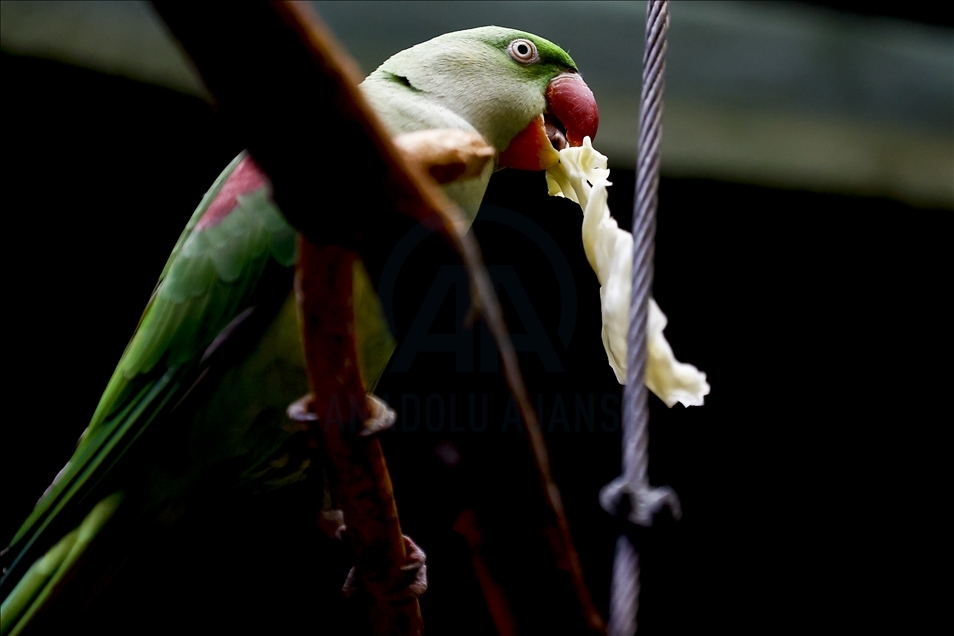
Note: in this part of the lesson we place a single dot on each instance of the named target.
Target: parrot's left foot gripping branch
(409, 580)
(388, 565)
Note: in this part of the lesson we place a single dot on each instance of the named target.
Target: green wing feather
(208, 280)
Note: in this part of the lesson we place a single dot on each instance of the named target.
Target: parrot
(197, 403)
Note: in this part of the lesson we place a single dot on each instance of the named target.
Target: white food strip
(582, 176)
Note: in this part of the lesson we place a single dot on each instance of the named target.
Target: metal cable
(644, 500)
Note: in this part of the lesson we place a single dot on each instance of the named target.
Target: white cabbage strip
(582, 176)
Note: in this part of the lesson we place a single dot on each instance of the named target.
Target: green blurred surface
(779, 94)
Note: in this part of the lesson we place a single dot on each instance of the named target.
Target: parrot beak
(571, 111)
(571, 115)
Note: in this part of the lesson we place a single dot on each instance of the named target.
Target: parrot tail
(39, 582)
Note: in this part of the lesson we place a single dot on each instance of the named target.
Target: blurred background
(777, 93)
(802, 257)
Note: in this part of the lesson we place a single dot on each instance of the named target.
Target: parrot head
(522, 93)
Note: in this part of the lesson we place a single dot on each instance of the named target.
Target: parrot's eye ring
(523, 51)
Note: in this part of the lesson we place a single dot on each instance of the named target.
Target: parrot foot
(332, 523)
(380, 416)
(410, 583)
(446, 154)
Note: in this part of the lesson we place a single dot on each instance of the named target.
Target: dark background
(809, 480)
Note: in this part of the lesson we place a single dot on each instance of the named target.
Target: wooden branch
(339, 408)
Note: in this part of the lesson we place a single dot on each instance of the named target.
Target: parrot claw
(301, 413)
(331, 523)
(410, 583)
(380, 416)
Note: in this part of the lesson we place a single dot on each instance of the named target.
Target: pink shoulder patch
(247, 177)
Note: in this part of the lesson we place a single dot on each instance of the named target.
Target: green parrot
(197, 404)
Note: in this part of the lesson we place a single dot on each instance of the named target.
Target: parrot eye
(523, 51)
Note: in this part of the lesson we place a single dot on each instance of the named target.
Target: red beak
(571, 101)
(571, 115)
